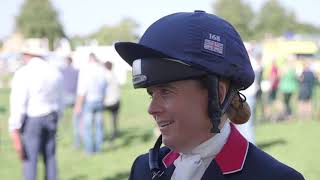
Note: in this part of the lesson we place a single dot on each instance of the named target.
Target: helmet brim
(130, 51)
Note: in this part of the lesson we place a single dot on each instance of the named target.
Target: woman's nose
(155, 105)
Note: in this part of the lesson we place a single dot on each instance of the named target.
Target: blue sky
(81, 17)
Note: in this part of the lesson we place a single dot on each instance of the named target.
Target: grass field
(295, 143)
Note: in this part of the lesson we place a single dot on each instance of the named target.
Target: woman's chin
(167, 140)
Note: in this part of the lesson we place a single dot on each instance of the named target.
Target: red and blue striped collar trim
(230, 159)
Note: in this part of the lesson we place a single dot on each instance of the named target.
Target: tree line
(39, 19)
(271, 20)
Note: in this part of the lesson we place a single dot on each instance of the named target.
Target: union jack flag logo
(214, 46)
(213, 43)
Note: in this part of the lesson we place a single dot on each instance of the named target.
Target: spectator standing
(90, 96)
(307, 82)
(247, 129)
(70, 80)
(288, 86)
(35, 107)
(112, 99)
(274, 81)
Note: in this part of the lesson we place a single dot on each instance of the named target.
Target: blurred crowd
(282, 83)
(90, 91)
(41, 93)
(284, 89)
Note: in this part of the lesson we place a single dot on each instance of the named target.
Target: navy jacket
(238, 160)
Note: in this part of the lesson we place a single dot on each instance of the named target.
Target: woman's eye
(165, 91)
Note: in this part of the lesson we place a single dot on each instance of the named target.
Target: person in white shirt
(112, 99)
(35, 107)
(247, 129)
(91, 89)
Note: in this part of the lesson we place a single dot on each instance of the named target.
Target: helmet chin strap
(154, 160)
(215, 109)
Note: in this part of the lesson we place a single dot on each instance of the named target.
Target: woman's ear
(223, 89)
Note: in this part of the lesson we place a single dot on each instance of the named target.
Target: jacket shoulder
(262, 164)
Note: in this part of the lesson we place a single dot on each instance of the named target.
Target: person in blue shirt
(88, 109)
(193, 65)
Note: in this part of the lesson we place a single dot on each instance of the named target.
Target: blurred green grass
(294, 143)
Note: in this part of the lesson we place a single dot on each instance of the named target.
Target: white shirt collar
(212, 146)
(191, 166)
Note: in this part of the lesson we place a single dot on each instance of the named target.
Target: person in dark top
(307, 82)
(193, 65)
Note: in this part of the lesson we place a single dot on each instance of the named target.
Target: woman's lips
(164, 124)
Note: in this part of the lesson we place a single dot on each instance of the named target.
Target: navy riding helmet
(187, 45)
